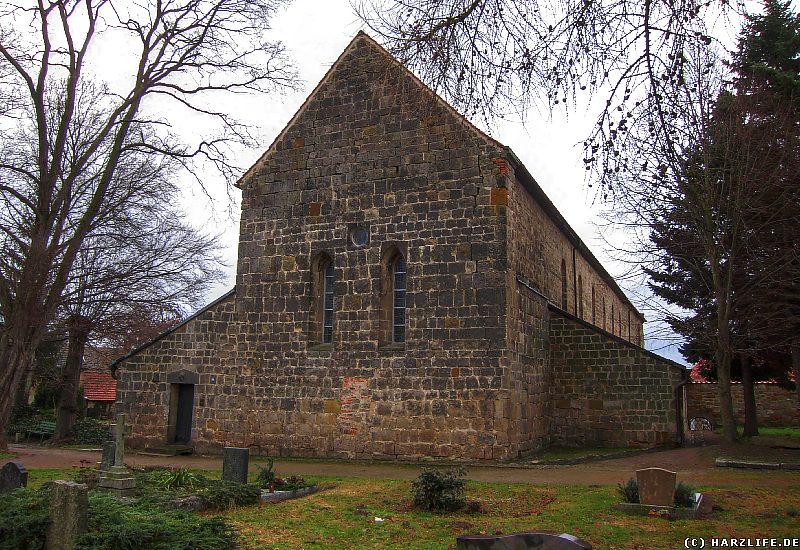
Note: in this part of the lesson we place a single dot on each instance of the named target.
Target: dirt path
(694, 465)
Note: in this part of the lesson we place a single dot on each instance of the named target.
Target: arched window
(629, 325)
(564, 292)
(322, 307)
(594, 312)
(604, 312)
(612, 319)
(579, 306)
(393, 297)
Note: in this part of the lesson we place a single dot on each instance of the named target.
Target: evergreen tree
(751, 213)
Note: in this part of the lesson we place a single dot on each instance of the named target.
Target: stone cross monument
(118, 479)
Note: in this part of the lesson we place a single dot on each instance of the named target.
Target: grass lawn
(343, 514)
(790, 431)
(570, 453)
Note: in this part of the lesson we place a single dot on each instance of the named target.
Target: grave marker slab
(13, 475)
(656, 486)
(235, 462)
(69, 514)
(109, 452)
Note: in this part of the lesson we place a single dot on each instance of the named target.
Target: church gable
(370, 117)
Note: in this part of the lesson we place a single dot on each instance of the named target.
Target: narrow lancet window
(399, 300)
(327, 313)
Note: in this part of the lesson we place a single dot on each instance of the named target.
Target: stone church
(405, 289)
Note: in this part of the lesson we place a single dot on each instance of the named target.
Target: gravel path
(694, 465)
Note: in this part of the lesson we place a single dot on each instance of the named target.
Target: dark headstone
(13, 475)
(109, 451)
(656, 486)
(522, 541)
(235, 462)
(69, 514)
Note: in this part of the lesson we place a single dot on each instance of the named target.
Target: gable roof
(99, 386)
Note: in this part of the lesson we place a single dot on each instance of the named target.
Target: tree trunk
(68, 397)
(729, 429)
(749, 397)
(796, 368)
(15, 358)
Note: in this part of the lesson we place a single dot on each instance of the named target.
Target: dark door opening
(183, 417)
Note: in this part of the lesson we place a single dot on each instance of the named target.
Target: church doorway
(181, 406)
(184, 403)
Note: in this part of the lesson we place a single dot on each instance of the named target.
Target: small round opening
(359, 236)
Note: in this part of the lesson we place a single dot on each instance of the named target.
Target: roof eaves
(550, 209)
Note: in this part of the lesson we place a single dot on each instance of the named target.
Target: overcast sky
(315, 32)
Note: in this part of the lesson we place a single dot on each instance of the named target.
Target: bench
(43, 428)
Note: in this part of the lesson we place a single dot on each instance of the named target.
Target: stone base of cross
(118, 479)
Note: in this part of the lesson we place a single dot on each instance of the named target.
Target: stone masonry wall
(536, 246)
(530, 375)
(371, 148)
(776, 406)
(607, 392)
(206, 345)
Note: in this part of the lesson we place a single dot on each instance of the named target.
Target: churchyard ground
(575, 499)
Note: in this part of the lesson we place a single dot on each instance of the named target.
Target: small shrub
(176, 478)
(684, 495)
(141, 526)
(90, 431)
(629, 491)
(23, 519)
(266, 476)
(87, 474)
(222, 495)
(439, 489)
(291, 483)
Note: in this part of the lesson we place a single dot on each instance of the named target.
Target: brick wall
(607, 392)
(776, 406)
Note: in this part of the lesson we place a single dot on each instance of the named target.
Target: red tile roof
(99, 386)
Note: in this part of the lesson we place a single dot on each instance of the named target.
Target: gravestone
(235, 462)
(117, 479)
(109, 453)
(522, 541)
(656, 486)
(69, 514)
(13, 475)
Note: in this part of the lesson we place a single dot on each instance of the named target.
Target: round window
(359, 236)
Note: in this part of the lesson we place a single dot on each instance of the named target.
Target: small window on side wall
(322, 305)
(393, 303)
(398, 268)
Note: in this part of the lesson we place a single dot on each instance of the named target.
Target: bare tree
(148, 264)
(492, 57)
(63, 138)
